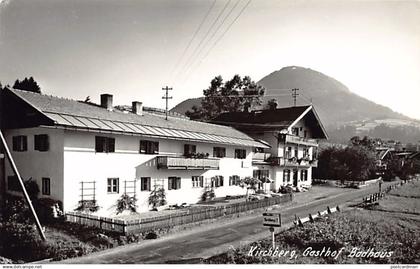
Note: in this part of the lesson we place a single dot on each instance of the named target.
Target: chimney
(106, 101)
(137, 108)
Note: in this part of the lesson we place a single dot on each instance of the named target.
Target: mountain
(336, 105)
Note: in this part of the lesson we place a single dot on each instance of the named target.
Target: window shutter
(15, 143)
(46, 143)
(186, 149)
(221, 181)
(156, 147)
(170, 183)
(178, 183)
(110, 144)
(201, 181)
(149, 182)
(99, 144)
(25, 143)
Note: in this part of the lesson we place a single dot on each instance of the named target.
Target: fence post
(311, 219)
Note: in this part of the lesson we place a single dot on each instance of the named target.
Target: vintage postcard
(209, 132)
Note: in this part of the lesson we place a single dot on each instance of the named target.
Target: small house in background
(82, 153)
(291, 132)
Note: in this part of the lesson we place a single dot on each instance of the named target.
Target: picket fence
(194, 214)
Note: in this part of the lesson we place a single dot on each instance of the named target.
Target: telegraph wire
(220, 37)
(205, 36)
(216, 31)
(193, 37)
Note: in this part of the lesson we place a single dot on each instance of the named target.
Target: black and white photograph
(209, 132)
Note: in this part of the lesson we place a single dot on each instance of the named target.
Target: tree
(234, 95)
(251, 183)
(351, 163)
(27, 85)
(157, 197)
(272, 104)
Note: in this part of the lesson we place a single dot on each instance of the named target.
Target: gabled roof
(76, 114)
(272, 119)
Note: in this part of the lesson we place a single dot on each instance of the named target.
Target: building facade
(78, 152)
(292, 134)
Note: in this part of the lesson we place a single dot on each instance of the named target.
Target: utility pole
(294, 95)
(166, 97)
(25, 193)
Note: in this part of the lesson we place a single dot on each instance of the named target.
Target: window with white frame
(197, 181)
(286, 176)
(145, 183)
(219, 152)
(41, 142)
(113, 185)
(234, 180)
(149, 147)
(46, 186)
(217, 181)
(104, 144)
(304, 175)
(174, 183)
(20, 143)
(240, 154)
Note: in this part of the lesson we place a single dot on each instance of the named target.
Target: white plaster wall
(81, 163)
(37, 164)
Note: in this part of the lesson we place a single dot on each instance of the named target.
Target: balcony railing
(281, 161)
(175, 162)
(300, 140)
(260, 156)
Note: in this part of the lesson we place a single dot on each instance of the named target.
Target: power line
(218, 28)
(193, 37)
(205, 36)
(226, 30)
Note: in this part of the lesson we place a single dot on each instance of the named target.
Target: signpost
(272, 220)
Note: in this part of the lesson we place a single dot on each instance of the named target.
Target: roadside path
(207, 241)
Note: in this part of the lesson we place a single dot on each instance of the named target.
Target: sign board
(272, 219)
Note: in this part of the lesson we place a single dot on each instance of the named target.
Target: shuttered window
(145, 184)
(41, 142)
(46, 186)
(149, 147)
(219, 152)
(20, 143)
(174, 183)
(189, 149)
(104, 144)
(240, 154)
(197, 181)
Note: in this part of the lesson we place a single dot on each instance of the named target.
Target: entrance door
(295, 178)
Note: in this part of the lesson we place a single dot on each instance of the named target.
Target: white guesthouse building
(291, 132)
(79, 151)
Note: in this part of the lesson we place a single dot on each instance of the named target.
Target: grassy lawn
(388, 231)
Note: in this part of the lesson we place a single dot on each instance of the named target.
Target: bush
(208, 195)
(126, 203)
(18, 240)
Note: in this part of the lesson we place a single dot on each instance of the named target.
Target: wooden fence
(194, 214)
(373, 198)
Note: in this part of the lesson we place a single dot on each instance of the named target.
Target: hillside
(336, 105)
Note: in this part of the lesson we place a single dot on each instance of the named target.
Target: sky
(131, 49)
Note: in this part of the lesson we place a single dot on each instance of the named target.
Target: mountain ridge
(336, 104)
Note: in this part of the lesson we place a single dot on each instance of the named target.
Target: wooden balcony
(292, 162)
(183, 163)
(260, 157)
(292, 139)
